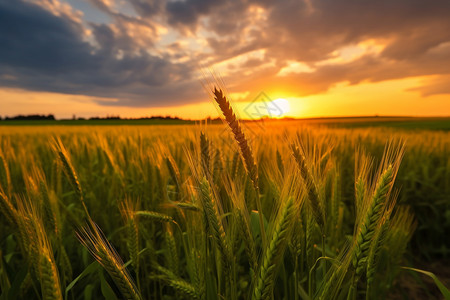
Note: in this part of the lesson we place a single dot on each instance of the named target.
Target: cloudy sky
(147, 57)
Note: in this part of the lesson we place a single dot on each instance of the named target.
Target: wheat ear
(372, 216)
(94, 240)
(70, 171)
(179, 284)
(313, 193)
(174, 174)
(5, 176)
(372, 260)
(239, 135)
(152, 215)
(172, 252)
(7, 209)
(48, 272)
(127, 209)
(187, 206)
(243, 222)
(245, 150)
(214, 224)
(274, 252)
(205, 153)
(368, 225)
(39, 250)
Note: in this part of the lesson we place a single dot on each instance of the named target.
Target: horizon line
(50, 117)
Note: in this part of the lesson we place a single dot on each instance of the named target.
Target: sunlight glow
(283, 107)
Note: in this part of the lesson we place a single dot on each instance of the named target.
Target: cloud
(410, 34)
(147, 8)
(186, 14)
(149, 52)
(434, 86)
(46, 52)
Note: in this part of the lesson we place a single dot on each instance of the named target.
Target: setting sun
(282, 107)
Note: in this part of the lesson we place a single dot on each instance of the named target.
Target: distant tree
(30, 118)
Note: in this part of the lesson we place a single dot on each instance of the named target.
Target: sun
(282, 107)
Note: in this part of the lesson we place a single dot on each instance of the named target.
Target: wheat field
(226, 211)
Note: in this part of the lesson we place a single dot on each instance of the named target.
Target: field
(293, 210)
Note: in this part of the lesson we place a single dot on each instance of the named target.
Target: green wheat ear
(37, 247)
(179, 284)
(94, 240)
(274, 252)
(5, 176)
(214, 224)
(69, 170)
(372, 217)
(7, 209)
(127, 210)
(205, 153)
(308, 180)
(49, 278)
(153, 215)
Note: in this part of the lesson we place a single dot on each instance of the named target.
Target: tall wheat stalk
(245, 150)
(94, 240)
(374, 205)
(274, 252)
(310, 185)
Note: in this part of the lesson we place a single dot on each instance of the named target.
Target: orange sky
(365, 99)
(97, 57)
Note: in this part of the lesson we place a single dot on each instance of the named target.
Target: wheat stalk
(187, 206)
(172, 252)
(214, 224)
(174, 174)
(372, 217)
(245, 150)
(274, 252)
(156, 216)
(65, 264)
(39, 250)
(368, 225)
(243, 222)
(69, 170)
(51, 289)
(313, 193)
(127, 209)
(239, 135)
(372, 261)
(205, 153)
(7, 209)
(97, 244)
(5, 176)
(217, 166)
(179, 284)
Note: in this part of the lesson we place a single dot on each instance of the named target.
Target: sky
(136, 58)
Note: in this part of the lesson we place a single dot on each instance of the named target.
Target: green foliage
(180, 219)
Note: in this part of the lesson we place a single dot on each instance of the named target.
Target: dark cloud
(147, 8)
(34, 39)
(44, 52)
(186, 14)
(413, 31)
(126, 58)
(311, 33)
